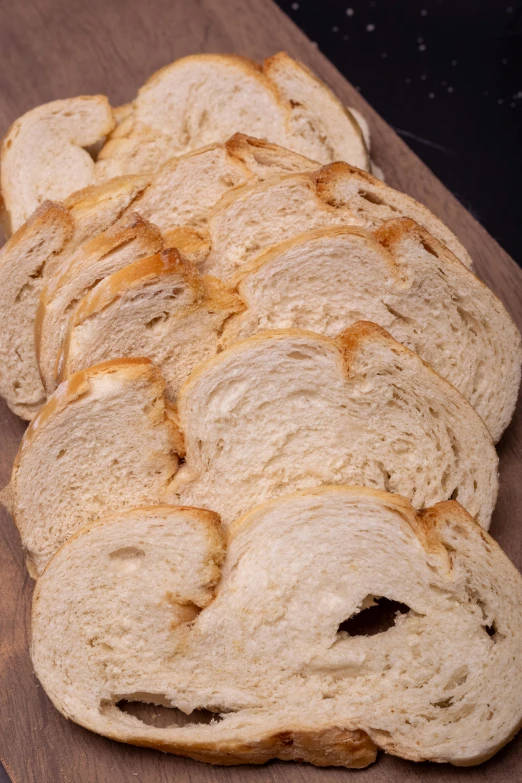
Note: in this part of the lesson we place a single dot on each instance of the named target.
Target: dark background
(447, 75)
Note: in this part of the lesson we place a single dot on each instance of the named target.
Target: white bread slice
(324, 280)
(176, 199)
(405, 280)
(158, 307)
(289, 410)
(251, 219)
(21, 262)
(272, 656)
(129, 239)
(204, 98)
(44, 157)
(184, 190)
(42, 247)
(105, 441)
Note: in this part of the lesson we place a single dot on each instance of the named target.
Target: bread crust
(334, 746)
(328, 175)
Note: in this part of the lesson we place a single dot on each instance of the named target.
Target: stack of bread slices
(264, 390)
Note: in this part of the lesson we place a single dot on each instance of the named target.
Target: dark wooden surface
(58, 48)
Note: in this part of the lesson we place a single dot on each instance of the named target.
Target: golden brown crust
(339, 170)
(89, 197)
(332, 746)
(243, 147)
(189, 242)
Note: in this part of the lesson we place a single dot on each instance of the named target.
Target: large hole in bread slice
(379, 616)
(161, 716)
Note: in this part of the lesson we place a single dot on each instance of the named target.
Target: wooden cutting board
(59, 48)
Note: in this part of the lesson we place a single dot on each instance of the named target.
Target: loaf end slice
(304, 663)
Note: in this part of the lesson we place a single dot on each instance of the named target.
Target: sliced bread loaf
(129, 239)
(405, 280)
(104, 441)
(324, 280)
(288, 410)
(184, 190)
(42, 248)
(249, 220)
(288, 658)
(205, 98)
(44, 153)
(176, 200)
(158, 307)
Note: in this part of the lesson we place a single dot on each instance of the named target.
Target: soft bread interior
(250, 220)
(40, 250)
(275, 656)
(104, 441)
(43, 154)
(288, 410)
(204, 98)
(406, 281)
(324, 280)
(127, 240)
(157, 307)
(183, 191)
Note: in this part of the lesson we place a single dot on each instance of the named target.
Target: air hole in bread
(493, 632)
(371, 197)
(444, 704)
(161, 716)
(61, 453)
(298, 355)
(156, 321)
(127, 559)
(429, 249)
(376, 618)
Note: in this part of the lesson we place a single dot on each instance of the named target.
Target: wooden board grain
(58, 48)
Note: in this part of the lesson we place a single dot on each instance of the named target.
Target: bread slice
(205, 98)
(184, 190)
(21, 282)
(129, 239)
(402, 278)
(323, 280)
(289, 410)
(158, 307)
(277, 658)
(44, 153)
(177, 200)
(42, 247)
(105, 441)
(250, 220)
